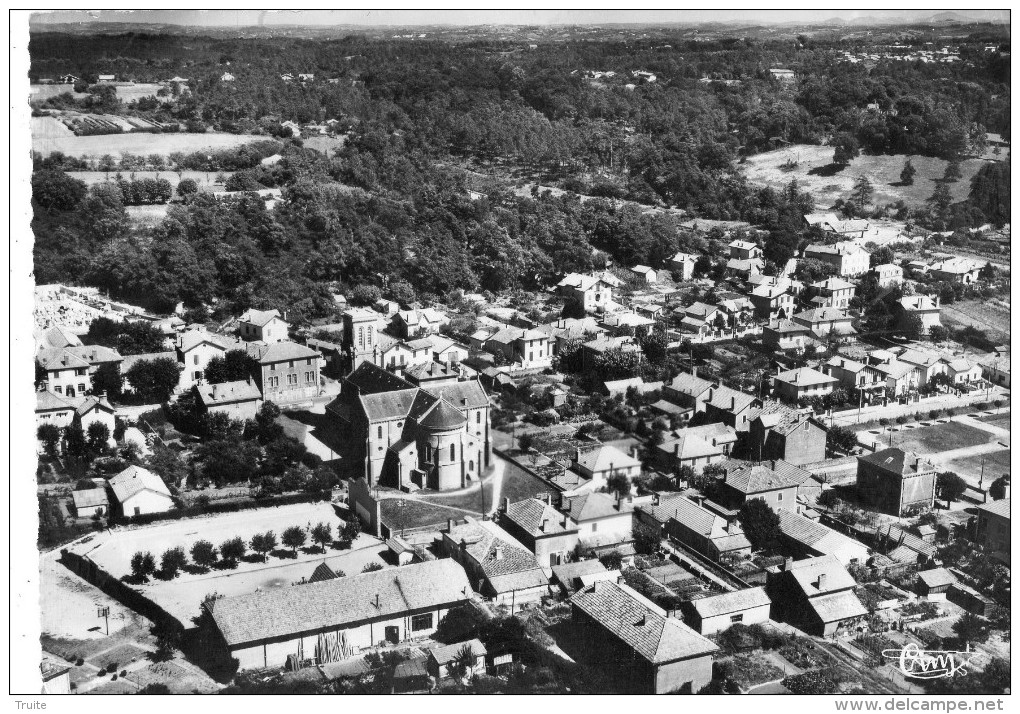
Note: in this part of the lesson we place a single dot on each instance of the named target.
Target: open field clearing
(147, 215)
(133, 92)
(41, 92)
(944, 437)
(813, 174)
(206, 180)
(995, 464)
(991, 317)
(49, 135)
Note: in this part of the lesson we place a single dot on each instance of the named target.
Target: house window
(478, 417)
(780, 497)
(453, 452)
(421, 622)
(272, 368)
(594, 527)
(380, 431)
(81, 386)
(197, 375)
(471, 465)
(58, 390)
(361, 337)
(290, 365)
(196, 359)
(308, 361)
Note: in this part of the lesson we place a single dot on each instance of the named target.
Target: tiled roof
(606, 457)
(731, 602)
(340, 603)
(430, 369)
(131, 360)
(383, 406)
(592, 506)
(837, 606)
(498, 554)
(806, 572)
(537, 517)
(48, 402)
(193, 338)
(322, 572)
(370, 379)
(906, 539)
(898, 461)
(443, 416)
(468, 394)
(60, 358)
(90, 498)
(133, 480)
(805, 377)
(444, 654)
(566, 573)
(281, 352)
(695, 518)
(816, 536)
(936, 578)
(833, 283)
(260, 318)
(750, 479)
(997, 508)
(227, 392)
(87, 404)
(730, 400)
(788, 327)
(640, 625)
(821, 314)
(58, 337)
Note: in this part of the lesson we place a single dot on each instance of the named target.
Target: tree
(908, 173)
(525, 442)
(862, 193)
(322, 534)
(143, 566)
(98, 436)
(971, 629)
(107, 381)
(841, 438)
(618, 483)
(573, 307)
(912, 326)
(998, 488)
(953, 172)
(760, 523)
(351, 529)
(846, 151)
(294, 537)
(203, 553)
(938, 333)
(233, 549)
(987, 273)
(56, 191)
(940, 199)
(371, 567)
(154, 380)
(233, 366)
(950, 486)
(187, 187)
(646, 539)
(263, 544)
(75, 445)
(463, 663)
(172, 561)
(49, 436)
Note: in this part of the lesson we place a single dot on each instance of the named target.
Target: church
(429, 429)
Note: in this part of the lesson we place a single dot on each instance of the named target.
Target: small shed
(401, 550)
(934, 584)
(91, 502)
(715, 613)
(442, 658)
(969, 599)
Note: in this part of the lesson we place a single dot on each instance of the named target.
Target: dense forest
(392, 205)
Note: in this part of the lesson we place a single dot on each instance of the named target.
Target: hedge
(214, 508)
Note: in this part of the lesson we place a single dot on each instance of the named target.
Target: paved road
(871, 414)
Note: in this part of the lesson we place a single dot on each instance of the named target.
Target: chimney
(694, 371)
(821, 581)
(577, 454)
(619, 502)
(676, 449)
(499, 550)
(1005, 490)
(548, 498)
(545, 525)
(733, 403)
(506, 504)
(449, 525)
(788, 564)
(377, 600)
(463, 401)
(655, 500)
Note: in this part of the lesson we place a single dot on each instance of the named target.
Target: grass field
(996, 464)
(49, 135)
(992, 317)
(40, 92)
(813, 174)
(206, 180)
(999, 420)
(944, 437)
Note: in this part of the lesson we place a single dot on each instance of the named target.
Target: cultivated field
(133, 92)
(814, 175)
(206, 180)
(49, 135)
(992, 317)
(42, 92)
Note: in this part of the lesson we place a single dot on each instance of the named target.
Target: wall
(620, 526)
(671, 677)
(804, 445)
(559, 544)
(238, 410)
(147, 502)
(203, 353)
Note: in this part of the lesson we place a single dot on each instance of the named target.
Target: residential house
(744, 250)
(626, 323)
(730, 407)
(540, 528)
(285, 371)
(591, 291)
(889, 275)
(853, 229)
(956, 270)
(995, 369)
(226, 77)
(738, 268)
(601, 462)
(333, 619)
(924, 306)
(497, 565)
(263, 326)
(833, 292)
(447, 351)
(416, 323)
(689, 390)
(95, 410)
(620, 387)
(805, 538)
(715, 613)
(826, 322)
(779, 431)
(815, 595)
(433, 436)
(962, 371)
(56, 337)
(138, 491)
(644, 274)
(855, 375)
(934, 584)
(802, 383)
(529, 349)
(893, 480)
(194, 350)
(53, 409)
(443, 657)
(432, 374)
(744, 481)
(90, 502)
(900, 377)
(568, 329)
(849, 259)
(782, 335)
(648, 651)
(992, 528)
(772, 302)
(601, 518)
(784, 76)
(581, 574)
(683, 264)
(239, 400)
(690, 523)
(67, 371)
(696, 447)
(591, 351)
(703, 320)
(389, 308)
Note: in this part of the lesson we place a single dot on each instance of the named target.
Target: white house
(263, 326)
(194, 350)
(644, 274)
(138, 491)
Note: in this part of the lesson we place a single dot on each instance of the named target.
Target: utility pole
(104, 612)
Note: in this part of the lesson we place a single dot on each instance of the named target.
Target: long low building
(331, 620)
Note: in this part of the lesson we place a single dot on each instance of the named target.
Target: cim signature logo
(919, 664)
